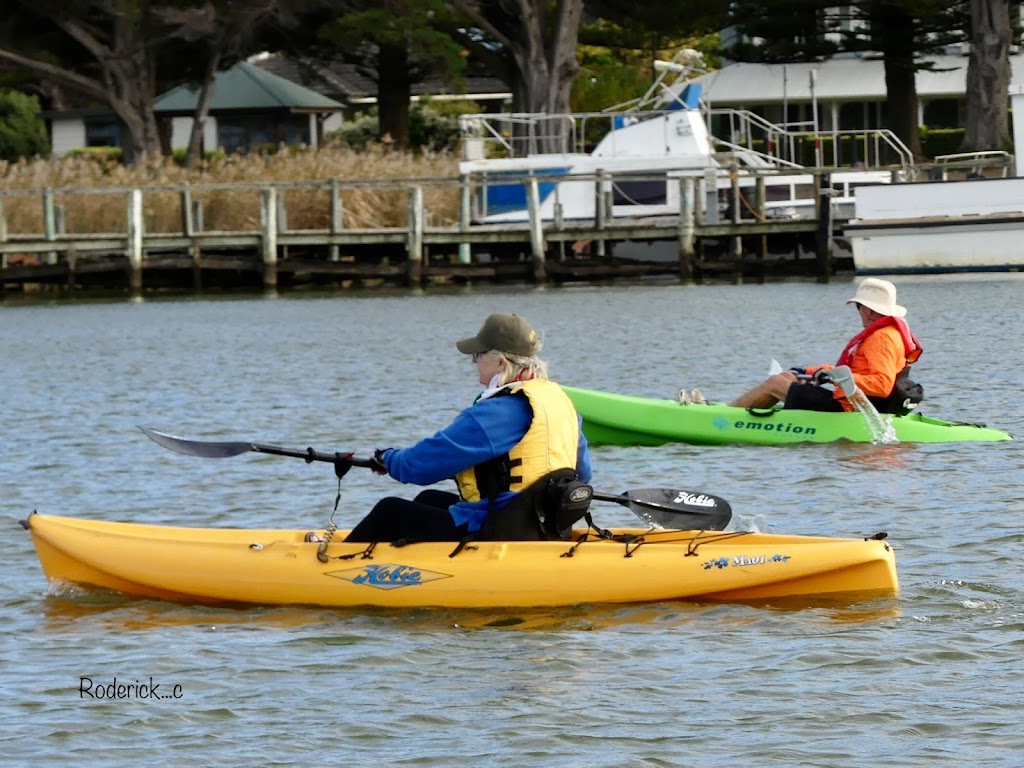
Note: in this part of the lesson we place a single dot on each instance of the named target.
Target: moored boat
(614, 419)
(277, 567)
(951, 226)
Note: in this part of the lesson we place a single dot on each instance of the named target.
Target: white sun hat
(879, 295)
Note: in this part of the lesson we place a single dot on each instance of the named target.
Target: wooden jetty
(199, 252)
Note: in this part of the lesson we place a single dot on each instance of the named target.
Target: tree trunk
(393, 94)
(988, 77)
(542, 49)
(195, 139)
(896, 35)
(547, 64)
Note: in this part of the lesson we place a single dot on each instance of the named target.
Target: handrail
(749, 126)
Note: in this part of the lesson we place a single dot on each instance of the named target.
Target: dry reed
(373, 186)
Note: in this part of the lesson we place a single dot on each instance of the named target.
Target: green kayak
(611, 419)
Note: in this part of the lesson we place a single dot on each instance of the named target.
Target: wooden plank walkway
(690, 247)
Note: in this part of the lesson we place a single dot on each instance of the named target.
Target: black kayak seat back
(545, 511)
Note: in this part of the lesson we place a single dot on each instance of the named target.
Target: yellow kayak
(277, 567)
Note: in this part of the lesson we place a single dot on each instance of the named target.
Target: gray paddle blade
(843, 378)
(208, 450)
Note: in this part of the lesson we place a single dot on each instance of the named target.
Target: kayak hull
(613, 419)
(277, 567)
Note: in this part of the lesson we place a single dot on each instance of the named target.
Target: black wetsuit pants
(425, 518)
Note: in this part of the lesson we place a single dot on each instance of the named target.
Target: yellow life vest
(550, 443)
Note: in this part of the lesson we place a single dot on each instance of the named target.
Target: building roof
(342, 82)
(247, 87)
(839, 79)
(347, 83)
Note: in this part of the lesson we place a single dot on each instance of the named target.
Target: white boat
(971, 224)
(631, 160)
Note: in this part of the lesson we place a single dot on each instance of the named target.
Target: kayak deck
(614, 419)
(277, 567)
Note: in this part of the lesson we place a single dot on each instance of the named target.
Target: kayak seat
(546, 511)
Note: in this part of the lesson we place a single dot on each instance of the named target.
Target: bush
(358, 133)
(209, 155)
(105, 156)
(941, 141)
(431, 127)
(22, 133)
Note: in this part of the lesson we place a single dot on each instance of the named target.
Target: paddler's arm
(487, 429)
(583, 466)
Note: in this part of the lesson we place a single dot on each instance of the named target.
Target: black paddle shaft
(666, 507)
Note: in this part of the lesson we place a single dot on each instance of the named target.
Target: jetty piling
(136, 229)
(687, 215)
(823, 247)
(415, 242)
(268, 218)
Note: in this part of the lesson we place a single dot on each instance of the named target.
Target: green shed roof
(246, 86)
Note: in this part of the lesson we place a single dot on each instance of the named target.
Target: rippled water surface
(930, 678)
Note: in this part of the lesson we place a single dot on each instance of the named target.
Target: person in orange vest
(879, 357)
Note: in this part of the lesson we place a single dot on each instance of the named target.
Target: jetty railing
(414, 227)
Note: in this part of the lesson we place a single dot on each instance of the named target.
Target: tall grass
(373, 183)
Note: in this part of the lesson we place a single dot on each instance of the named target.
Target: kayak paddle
(662, 507)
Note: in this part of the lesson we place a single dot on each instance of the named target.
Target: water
(931, 678)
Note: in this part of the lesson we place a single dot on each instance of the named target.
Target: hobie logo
(388, 576)
(580, 494)
(694, 499)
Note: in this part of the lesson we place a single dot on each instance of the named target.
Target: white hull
(939, 227)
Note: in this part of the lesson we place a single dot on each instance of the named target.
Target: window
(239, 133)
(942, 113)
(851, 116)
(102, 132)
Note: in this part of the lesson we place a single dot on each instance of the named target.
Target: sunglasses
(478, 355)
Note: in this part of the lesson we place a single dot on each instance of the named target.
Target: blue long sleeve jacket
(487, 429)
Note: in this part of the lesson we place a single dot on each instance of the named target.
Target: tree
(532, 44)
(988, 76)
(902, 31)
(111, 51)
(22, 134)
(221, 31)
(398, 42)
(116, 35)
(651, 26)
(621, 39)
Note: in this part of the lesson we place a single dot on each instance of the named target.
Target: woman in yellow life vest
(519, 429)
(879, 357)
